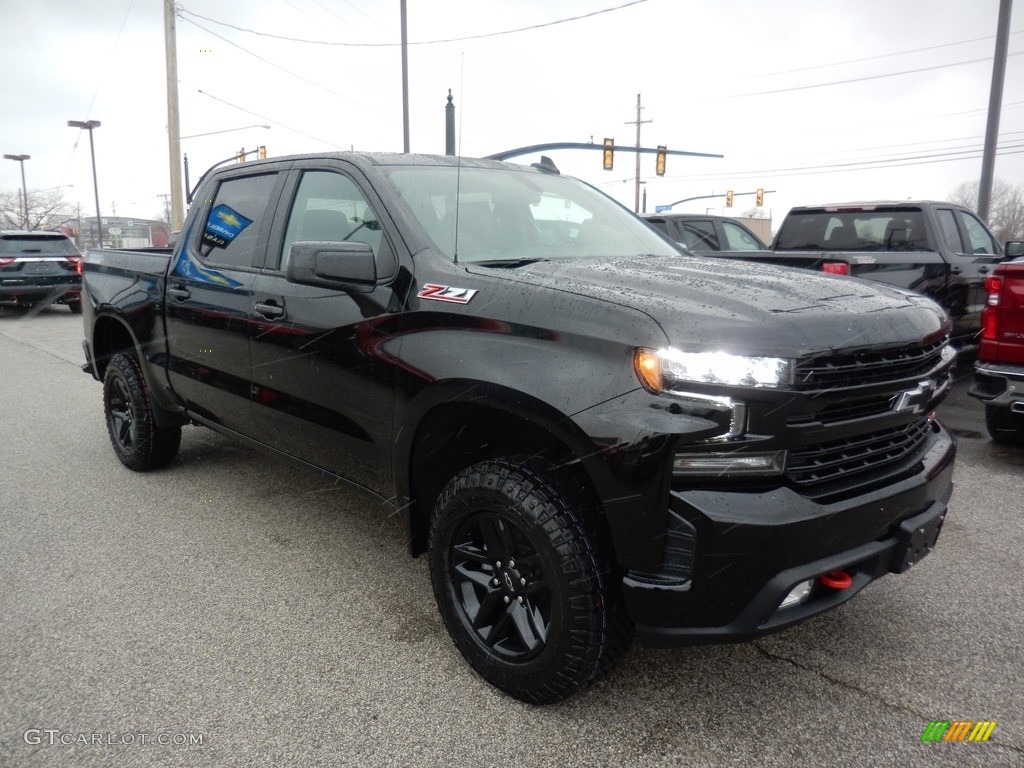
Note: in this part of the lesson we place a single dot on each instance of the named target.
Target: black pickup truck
(591, 434)
(939, 249)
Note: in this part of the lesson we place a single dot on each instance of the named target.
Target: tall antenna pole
(638, 123)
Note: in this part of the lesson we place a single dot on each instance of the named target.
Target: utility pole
(173, 121)
(24, 190)
(637, 123)
(405, 81)
(167, 207)
(995, 100)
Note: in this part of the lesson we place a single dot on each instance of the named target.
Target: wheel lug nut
(522, 581)
(497, 564)
(494, 582)
(507, 600)
(519, 599)
(511, 563)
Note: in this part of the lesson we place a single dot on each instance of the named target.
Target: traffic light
(760, 197)
(261, 153)
(609, 154)
(659, 163)
(240, 156)
(728, 199)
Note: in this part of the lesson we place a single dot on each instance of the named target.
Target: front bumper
(743, 552)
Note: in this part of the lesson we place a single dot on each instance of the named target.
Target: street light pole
(24, 190)
(89, 125)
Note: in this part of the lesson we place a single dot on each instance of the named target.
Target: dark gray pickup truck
(587, 432)
(939, 249)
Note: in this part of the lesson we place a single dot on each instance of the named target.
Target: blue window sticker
(223, 225)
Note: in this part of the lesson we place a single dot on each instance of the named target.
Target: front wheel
(523, 584)
(138, 442)
(1004, 426)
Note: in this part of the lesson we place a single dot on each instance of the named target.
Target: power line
(270, 120)
(276, 66)
(182, 10)
(873, 58)
(862, 165)
(986, 59)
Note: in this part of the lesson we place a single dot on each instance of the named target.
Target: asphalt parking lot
(234, 611)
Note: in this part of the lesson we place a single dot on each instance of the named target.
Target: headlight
(663, 370)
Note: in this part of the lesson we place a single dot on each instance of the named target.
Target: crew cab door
(210, 295)
(323, 386)
(972, 254)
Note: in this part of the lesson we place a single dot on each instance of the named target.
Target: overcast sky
(820, 100)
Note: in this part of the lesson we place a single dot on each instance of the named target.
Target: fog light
(801, 593)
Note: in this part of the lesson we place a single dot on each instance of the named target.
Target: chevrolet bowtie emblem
(915, 400)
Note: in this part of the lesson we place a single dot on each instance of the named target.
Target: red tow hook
(836, 579)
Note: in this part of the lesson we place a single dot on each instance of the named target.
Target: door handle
(270, 310)
(955, 271)
(179, 293)
(983, 270)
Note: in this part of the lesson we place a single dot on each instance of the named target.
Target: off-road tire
(138, 442)
(524, 583)
(1004, 426)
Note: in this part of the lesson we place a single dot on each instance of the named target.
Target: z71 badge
(447, 293)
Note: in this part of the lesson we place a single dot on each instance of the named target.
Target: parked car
(39, 267)
(939, 249)
(999, 370)
(702, 234)
(587, 435)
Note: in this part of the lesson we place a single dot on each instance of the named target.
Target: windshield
(478, 215)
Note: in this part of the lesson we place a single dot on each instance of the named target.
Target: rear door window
(231, 236)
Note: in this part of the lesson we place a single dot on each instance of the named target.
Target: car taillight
(5, 260)
(836, 267)
(76, 262)
(993, 287)
(989, 323)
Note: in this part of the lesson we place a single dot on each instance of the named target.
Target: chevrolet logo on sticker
(915, 400)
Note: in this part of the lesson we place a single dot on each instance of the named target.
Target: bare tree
(1006, 209)
(45, 209)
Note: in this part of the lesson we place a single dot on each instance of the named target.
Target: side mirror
(1014, 249)
(347, 266)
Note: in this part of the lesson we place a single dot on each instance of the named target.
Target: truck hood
(748, 308)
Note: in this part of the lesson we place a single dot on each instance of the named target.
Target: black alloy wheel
(522, 582)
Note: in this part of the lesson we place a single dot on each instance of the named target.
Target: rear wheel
(523, 582)
(1004, 426)
(138, 442)
(75, 305)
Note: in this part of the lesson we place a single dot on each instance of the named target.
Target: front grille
(845, 411)
(842, 459)
(851, 370)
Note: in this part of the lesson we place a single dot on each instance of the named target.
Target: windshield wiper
(508, 263)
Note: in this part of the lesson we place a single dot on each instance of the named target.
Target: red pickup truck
(999, 371)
